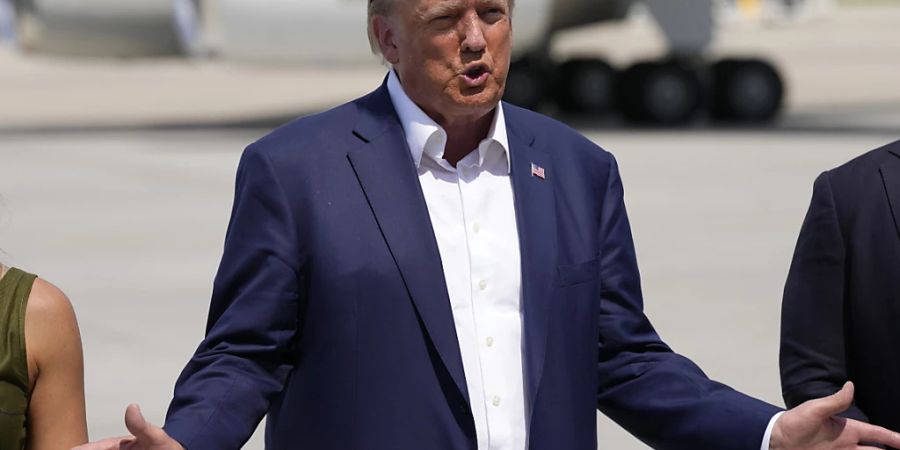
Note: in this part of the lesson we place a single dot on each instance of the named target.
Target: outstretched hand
(814, 425)
(144, 436)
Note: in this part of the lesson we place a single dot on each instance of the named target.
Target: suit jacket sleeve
(226, 388)
(812, 357)
(659, 396)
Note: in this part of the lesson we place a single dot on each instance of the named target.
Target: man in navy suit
(428, 268)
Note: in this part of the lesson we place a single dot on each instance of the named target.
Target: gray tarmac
(116, 181)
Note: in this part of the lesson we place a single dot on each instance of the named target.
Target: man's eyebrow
(494, 3)
(439, 9)
(446, 8)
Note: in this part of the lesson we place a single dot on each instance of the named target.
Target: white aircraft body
(668, 91)
(303, 31)
(90, 27)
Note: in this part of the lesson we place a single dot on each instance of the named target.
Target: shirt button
(482, 285)
(476, 228)
(495, 401)
(489, 341)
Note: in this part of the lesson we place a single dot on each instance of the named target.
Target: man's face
(452, 55)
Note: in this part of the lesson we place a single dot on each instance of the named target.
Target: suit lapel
(890, 174)
(536, 221)
(387, 175)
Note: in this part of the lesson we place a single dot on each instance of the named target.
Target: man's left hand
(814, 425)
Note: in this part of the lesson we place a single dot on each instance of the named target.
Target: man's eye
(443, 17)
(493, 14)
(442, 21)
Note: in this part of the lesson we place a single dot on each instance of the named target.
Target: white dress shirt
(474, 220)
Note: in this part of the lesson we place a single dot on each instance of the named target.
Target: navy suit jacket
(841, 304)
(330, 312)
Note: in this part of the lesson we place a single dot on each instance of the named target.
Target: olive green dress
(15, 287)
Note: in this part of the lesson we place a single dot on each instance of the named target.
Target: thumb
(836, 403)
(138, 426)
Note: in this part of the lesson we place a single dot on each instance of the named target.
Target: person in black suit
(841, 308)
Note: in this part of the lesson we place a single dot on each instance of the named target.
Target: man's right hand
(144, 436)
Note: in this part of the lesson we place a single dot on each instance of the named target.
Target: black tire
(586, 86)
(660, 93)
(746, 91)
(526, 84)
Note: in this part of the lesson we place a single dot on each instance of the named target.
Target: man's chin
(478, 99)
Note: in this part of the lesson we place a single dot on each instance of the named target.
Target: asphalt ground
(116, 181)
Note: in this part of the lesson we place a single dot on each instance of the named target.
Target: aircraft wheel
(660, 93)
(526, 84)
(586, 86)
(746, 90)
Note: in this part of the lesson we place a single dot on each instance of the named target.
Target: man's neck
(464, 133)
(464, 136)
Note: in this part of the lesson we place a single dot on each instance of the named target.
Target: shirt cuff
(768, 435)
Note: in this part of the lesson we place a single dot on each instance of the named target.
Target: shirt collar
(425, 137)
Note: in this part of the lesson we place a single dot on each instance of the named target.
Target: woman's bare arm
(56, 414)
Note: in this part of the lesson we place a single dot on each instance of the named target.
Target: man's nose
(473, 34)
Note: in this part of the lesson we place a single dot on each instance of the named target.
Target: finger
(135, 422)
(834, 404)
(128, 443)
(142, 430)
(877, 435)
(106, 444)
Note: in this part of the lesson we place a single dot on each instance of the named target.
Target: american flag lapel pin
(537, 171)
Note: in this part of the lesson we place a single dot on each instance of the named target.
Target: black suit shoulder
(860, 168)
(857, 185)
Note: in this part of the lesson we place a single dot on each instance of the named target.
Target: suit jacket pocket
(570, 274)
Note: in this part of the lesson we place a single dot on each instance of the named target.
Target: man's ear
(385, 36)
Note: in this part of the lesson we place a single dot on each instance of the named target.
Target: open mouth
(476, 74)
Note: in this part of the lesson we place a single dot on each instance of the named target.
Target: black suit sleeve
(813, 336)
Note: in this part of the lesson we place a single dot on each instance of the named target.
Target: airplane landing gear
(7, 22)
(746, 90)
(527, 83)
(586, 86)
(660, 93)
(666, 93)
(186, 17)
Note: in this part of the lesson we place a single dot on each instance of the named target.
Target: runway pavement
(116, 181)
